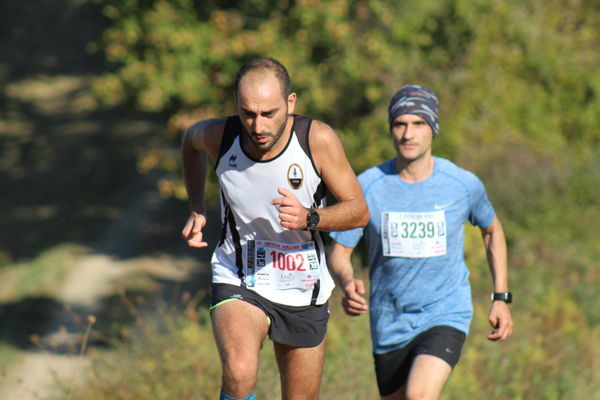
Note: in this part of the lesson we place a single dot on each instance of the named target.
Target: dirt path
(94, 278)
(119, 247)
(36, 375)
(38, 371)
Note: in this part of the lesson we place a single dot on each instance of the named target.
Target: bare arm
(351, 210)
(495, 245)
(200, 141)
(330, 159)
(340, 264)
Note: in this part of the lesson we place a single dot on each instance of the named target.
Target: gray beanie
(418, 100)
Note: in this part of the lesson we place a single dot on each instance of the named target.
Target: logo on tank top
(295, 176)
(232, 163)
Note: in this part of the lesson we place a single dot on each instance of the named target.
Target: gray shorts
(294, 326)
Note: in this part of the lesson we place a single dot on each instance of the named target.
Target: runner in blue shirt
(420, 298)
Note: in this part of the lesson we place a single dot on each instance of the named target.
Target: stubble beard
(264, 147)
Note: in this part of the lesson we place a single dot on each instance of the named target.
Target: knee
(239, 371)
(418, 395)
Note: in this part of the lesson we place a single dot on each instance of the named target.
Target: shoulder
(452, 171)
(206, 135)
(321, 134)
(325, 147)
(207, 127)
(373, 174)
(449, 168)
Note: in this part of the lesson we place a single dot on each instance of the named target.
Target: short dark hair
(269, 64)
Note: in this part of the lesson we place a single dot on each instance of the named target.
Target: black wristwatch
(502, 296)
(312, 219)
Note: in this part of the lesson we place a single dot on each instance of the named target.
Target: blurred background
(94, 97)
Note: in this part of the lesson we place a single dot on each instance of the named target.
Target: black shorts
(392, 368)
(295, 326)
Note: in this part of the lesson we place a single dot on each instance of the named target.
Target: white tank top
(255, 251)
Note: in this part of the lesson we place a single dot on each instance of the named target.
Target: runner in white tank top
(273, 171)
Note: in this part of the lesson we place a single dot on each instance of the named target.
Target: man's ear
(291, 102)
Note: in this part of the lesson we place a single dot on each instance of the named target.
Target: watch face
(313, 219)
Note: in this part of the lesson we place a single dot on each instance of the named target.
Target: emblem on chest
(295, 176)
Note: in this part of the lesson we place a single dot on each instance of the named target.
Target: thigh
(300, 369)
(239, 329)
(392, 369)
(427, 378)
(420, 369)
(435, 354)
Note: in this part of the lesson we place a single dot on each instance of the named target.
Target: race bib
(413, 235)
(282, 265)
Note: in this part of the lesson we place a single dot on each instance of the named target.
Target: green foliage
(508, 74)
(550, 355)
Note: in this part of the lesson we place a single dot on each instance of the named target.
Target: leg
(423, 375)
(427, 378)
(239, 329)
(300, 369)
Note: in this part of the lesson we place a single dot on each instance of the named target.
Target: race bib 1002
(282, 265)
(413, 234)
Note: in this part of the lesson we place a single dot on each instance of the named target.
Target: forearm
(347, 214)
(496, 252)
(340, 264)
(195, 165)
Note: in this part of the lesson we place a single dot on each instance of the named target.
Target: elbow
(185, 145)
(364, 217)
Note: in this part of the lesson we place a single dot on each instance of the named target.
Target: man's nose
(409, 132)
(258, 124)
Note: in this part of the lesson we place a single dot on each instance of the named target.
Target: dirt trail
(38, 371)
(93, 279)
(121, 242)
(119, 246)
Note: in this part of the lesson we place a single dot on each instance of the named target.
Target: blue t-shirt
(415, 241)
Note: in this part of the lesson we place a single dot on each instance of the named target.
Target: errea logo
(232, 161)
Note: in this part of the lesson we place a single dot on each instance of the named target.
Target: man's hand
(292, 214)
(192, 231)
(353, 302)
(500, 320)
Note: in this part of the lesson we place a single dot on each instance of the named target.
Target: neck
(413, 171)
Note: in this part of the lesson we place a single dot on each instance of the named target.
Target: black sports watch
(502, 296)
(312, 219)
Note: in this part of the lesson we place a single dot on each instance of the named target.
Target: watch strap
(312, 219)
(502, 296)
